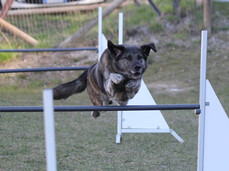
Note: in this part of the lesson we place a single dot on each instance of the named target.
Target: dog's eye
(140, 57)
(129, 58)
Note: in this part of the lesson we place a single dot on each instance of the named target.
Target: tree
(207, 15)
(199, 3)
(176, 7)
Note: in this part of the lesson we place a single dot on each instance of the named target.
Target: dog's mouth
(133, 75)
(137, 75)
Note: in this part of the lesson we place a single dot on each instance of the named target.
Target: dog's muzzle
(137, 72)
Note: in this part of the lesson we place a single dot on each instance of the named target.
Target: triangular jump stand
(216, 136)
(141, 121)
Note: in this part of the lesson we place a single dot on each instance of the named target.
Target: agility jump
(213, 149)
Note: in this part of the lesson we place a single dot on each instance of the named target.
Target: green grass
(140, 16)
(180, 35)
(84, 143)
(222, 9)
(4, 56)
(156, 27)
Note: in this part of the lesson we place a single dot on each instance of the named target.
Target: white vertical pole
(202, 100)
(120, 41)
(120, 29)
(49, 130)
(100, 20)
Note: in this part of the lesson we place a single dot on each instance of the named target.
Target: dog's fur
(116, 77)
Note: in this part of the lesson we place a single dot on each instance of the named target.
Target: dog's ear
(115, 49)
(146, 48)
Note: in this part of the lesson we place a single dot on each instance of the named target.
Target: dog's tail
(65, 90)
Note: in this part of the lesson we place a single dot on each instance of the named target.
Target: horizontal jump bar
(50, 50)
(101, 108)
(43, 69)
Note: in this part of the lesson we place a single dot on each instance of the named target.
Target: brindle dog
(116, 77)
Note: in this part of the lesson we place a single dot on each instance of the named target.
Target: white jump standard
(213, 136)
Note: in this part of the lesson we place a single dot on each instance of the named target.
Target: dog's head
(130, 61)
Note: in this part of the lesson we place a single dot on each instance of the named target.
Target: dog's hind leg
(99, 102)
(97, 99)
(95, 114)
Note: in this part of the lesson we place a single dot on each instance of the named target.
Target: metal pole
(50, 50)
(43, 69)
(202, 100)
(120, 29)
(119, 114)
(101, 108)
(100, 18)
(49, 130)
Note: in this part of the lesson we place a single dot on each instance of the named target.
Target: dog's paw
(122, 103)
(116, 78)
(129, 85)
(133, 85)
(110, 102)
(131, 94)
(95, 114)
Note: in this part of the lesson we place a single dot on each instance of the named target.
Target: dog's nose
(137, 67)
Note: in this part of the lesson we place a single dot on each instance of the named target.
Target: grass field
(85, 143)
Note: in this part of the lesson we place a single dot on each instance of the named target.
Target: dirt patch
(31, 60)
(169, 87)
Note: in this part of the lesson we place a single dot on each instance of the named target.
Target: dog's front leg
(113, 80)
(116, 78)
(132, 87)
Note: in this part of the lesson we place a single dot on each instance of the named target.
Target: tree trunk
(137, 3)
(176, 7)
(207, 15)
(82, 31)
